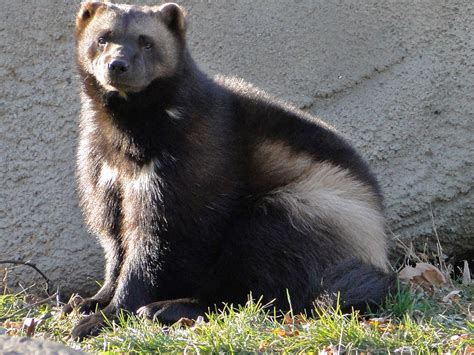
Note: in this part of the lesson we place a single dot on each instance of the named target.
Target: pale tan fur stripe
(314, 191)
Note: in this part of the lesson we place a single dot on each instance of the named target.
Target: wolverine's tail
(359, 285)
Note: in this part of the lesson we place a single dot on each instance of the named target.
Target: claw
(73, 303)
(146, 312)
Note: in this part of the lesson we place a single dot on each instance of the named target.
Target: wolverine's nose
(118, 66)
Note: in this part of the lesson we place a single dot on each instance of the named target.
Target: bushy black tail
(360, 285)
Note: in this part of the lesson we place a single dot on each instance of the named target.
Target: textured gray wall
(395, 76)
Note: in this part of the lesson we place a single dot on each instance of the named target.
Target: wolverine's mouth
(120, 87)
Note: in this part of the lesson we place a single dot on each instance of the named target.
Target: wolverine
(204, 190)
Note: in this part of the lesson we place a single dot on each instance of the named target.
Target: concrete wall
(395, 76)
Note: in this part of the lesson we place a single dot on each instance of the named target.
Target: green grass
(409, 322)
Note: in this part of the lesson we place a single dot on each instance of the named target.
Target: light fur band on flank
(314, 191)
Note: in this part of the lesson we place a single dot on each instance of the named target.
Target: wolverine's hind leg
(169, 312)
(271, 253)
(266, 254)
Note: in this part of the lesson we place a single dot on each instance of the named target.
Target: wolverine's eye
(145, 42)
(101, 41)
(148, 46)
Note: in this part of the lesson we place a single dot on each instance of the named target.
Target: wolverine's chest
(124, 199)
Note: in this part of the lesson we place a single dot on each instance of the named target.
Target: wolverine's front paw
(90, 326)
(73, 303)
(84, 305)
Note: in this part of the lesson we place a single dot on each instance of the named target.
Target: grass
(409, 322)
(415, 319)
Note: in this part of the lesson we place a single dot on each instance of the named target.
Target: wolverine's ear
(86, 12)
(174, 17)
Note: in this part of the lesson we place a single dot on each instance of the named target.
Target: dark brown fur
(202, 190)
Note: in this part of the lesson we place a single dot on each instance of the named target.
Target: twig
(24, 290)
(27, 263)
(46, 300)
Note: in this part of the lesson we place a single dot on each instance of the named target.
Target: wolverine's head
(127, 47)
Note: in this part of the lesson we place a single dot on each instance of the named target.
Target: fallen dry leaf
(378, 321)
(185, 322)
(288, 320)
(468, 350)
(382, 324)
(466, 274)
(13, 325)
(280, 332)
(435, 277)
(29, 326)
(300, 319)
(329, 350)
(263, 346)
(453, 296)
(424, 275)
(11, 328)
(457, 338)
(12, 332)
(286, 333)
